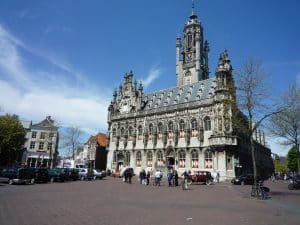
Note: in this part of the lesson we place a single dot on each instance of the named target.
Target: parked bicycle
(259, 191)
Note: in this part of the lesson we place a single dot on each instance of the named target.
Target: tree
(280, 167)
(71, 139)
(254, 100)
(292, 159)
(12, 139)
(286, 125)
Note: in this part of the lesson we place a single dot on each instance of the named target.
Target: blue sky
(64, 58)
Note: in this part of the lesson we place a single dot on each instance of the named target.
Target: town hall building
(187, 127)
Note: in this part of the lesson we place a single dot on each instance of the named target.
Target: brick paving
(112, 202)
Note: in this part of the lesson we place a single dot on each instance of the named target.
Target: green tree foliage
(12, 139)
(280, 167)
(292, 159)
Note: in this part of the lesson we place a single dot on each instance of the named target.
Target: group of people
(172, 177)
(144, 177)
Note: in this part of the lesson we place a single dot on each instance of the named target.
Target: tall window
(43, 135)
(138, 159)
(122, 131)
(194, 125)
(194, 159)
(208, 160)
(127, 158)
(207, 123)
(140, 131)
(181, 158)
(182, 125)
(33, 134)
(49, 147)
(32, 145)
(229, 162)
(189, 40)
(149, 159)
(130, 131)
(160, 128)
(41, 146)
(160, 161)
(114, 132)
(170, 127)
(151, 129)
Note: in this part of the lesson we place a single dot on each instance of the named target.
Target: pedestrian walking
(218, 176)
(148, 177)
(175, 178)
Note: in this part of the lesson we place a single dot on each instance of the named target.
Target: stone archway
(170, 157)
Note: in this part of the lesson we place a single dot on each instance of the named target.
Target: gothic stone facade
(188, 127)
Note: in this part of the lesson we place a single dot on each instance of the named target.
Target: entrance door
(171, 161)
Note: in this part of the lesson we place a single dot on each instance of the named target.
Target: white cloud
(154, 73)
(34, 93)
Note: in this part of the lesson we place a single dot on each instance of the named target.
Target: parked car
(3, 176)
(204, 177)
(40, 175)
(98, 174)
(243, 179)
(10, 174)
(72, 173)
(57, 174)
(86, 174)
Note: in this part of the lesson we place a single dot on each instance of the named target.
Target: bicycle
(259, 191)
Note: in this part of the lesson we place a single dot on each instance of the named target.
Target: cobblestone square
(112, 202)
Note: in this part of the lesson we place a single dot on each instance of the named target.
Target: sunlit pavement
(113, 202)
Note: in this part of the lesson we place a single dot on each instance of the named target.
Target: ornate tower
(191, 53)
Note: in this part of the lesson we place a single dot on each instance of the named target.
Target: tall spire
(193, 7)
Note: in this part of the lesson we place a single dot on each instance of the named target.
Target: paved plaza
(112, 202)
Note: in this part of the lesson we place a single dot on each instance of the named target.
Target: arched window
(181, 125)
(138, 159)
(114, 132)
(140, 132)
(127, 159)
(189, 40)
(181, 157)
(208, 160)
(149, 159)
(194, 124)
(130, 131)
(159, 159)
(160, 128)
(194, 156)
(122, 131)
(207, 123)
(170, 127)
(151, 129)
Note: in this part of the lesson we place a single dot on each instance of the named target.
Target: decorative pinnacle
(193, 7)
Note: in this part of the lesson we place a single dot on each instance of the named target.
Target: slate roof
(189, 93)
